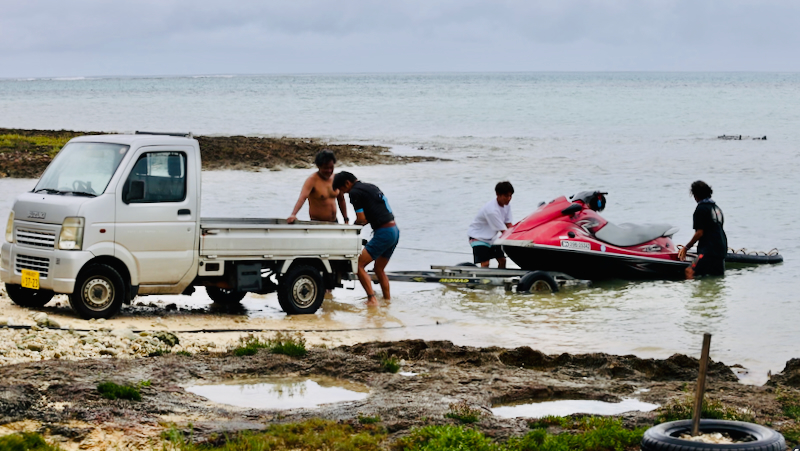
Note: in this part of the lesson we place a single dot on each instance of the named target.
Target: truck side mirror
(136, 191)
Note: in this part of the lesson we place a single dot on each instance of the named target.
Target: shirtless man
(318, 189)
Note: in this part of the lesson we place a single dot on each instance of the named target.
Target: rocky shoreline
(51, 365)
(26, 153)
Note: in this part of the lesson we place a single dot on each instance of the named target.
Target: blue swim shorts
(383, 242)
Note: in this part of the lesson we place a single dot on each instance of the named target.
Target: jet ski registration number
(579, 245)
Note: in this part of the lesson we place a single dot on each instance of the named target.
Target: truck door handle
(184, 211)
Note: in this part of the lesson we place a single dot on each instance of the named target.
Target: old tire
(665, 436)
(301, 290)
(25, 297)
(537, 282)
(225, 296)
(99, 292)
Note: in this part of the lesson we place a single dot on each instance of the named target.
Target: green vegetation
(549, 420)
(790, 403)
(25, 441)
(50, 144)
(590, 434)
(110, 390)
(291, 345)
(792, 435)
(158, 352)
(184, 353)
(445, 438)
(585, 434)
(462, 412)
(389, 363)
(683, 409)
(314, 434)
(369, 420)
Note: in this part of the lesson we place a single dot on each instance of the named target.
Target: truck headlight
(10, 228)
(71, 238)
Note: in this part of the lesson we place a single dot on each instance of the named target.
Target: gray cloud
(101, 37)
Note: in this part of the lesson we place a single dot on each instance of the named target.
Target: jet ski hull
(594, 265)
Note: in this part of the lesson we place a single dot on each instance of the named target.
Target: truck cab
(116, 216)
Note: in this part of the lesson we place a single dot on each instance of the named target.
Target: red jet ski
(569, 236)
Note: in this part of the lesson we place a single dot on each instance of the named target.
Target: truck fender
(286, 265)
(110, 249)
(326, 263)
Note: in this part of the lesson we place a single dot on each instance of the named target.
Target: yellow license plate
(30, 279)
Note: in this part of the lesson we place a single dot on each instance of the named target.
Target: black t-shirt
(369, 199)
(708, 218)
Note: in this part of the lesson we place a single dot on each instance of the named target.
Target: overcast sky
(58, 38)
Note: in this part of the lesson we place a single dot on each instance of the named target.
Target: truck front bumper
(57, 269)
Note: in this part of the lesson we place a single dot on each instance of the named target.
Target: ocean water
(643, 137)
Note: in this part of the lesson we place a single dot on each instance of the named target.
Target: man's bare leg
(501, 263)
(689, 273)
(383, 279)
(485, 264)
(363, 260)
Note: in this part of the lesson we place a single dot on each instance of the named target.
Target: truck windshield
(82, 169)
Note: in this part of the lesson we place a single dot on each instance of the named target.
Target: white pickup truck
(116, 216)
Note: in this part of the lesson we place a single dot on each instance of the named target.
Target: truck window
(82, 168)
(163, 175)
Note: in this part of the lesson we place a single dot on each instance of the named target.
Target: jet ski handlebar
(596, 200)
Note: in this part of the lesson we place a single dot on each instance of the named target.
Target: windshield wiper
(49, 191)
(80, 193)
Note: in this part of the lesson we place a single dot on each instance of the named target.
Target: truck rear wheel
(224, 296)
(99, 292)
(301, 290)
(26, 297)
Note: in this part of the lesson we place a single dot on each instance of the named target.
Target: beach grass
(683, 409)
(110, 390)
(46, 144)
(281, 343)
(25, 441)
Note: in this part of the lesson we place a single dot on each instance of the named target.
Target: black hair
(323, 157)
(340, 178)
(504, 188)
(701, 190)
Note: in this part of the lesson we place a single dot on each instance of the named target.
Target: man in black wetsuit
(371, 208)
(712, 244)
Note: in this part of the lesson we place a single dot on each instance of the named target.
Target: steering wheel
(85, 187)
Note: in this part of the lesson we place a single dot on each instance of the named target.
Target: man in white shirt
(488, 224)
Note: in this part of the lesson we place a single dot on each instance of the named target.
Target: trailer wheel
(25, 297)
(225, 296)
(301, 290)
(99, 292)
(537, 282)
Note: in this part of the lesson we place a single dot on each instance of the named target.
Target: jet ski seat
(628, 234)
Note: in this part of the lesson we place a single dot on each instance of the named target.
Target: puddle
(282, 393)
(568, 407)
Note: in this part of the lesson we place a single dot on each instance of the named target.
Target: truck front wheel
(26, 297)
(301, 290)
(99, 292)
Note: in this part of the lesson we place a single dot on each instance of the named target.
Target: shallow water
(570, 406)
(642, 137)
(281, 393)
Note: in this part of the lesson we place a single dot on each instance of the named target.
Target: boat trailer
(474, 276)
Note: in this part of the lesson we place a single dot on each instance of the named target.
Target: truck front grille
(36, 238)
(32, 263)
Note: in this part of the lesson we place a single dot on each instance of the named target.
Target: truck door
(156, 211)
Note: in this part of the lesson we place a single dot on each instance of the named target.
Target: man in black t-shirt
(712, 244)
(371, 208)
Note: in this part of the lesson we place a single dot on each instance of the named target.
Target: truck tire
(25, 297)
(224, 296)
(537, 282)
(301, 290)
(99, 292)
(665, 436)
